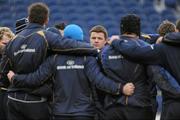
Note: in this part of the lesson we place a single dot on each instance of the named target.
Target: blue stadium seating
(90, 13)
(170, 3)
(168, 14)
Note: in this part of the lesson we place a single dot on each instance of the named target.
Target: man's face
(97, 39)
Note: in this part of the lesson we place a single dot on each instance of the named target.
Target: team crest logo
(70, 62)
(23, 46)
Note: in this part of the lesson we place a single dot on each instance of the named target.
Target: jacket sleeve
(97, 78)
(56, 42)
(78, 52)
(5, 66)
(36, 78)
(165, 81)
(149, 54)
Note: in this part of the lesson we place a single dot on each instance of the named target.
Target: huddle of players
(124, 83)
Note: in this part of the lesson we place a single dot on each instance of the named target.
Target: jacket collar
(34, 26)
(172, 38)
(129, 37)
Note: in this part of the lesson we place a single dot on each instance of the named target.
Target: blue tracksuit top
(122, 70)
(73, 77)
(28, 50)
(164, 54)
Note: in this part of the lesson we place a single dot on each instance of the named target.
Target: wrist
(120, 88)
(13, 78)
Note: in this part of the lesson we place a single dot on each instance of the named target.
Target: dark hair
(178, 25)
(99, 28)
(38, 13)
(130, 24)
(60, 26)
(166, 27)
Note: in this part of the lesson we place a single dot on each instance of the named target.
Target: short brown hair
(38, 13)
(99, 28)
(178, 25)
(166, 27)
(6, 31)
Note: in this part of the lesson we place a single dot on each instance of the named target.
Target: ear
(46, 21)
(28, 18)
(177, 30)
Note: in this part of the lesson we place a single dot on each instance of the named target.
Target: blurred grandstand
(88, 13)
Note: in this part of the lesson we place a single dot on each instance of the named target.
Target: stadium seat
(96, 12)
(170, 3)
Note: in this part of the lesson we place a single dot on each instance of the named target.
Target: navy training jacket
(29, 49)
(122, 70)
(164, 54)
(73, 77)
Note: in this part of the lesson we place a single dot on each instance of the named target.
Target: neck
(132, 35)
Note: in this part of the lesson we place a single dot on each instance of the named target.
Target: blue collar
(33, 26)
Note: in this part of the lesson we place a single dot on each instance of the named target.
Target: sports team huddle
(55, 74)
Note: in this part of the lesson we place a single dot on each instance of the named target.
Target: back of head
(178, 25)
(130, 24)
(166, 27)
(99, 29)
(38, 13)
(73, 31)
(21, 24)
(60, 26)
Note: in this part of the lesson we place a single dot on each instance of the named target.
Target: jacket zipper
(126, 97)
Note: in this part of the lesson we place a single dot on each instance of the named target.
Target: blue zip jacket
(165, 81)
(149, 38)
(3, 82)
(166, 54)
(29, 49)
(122, 70)
(73, 77)
(163, 54)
